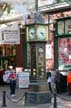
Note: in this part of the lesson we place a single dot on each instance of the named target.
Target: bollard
(4, 99)
(55, 100)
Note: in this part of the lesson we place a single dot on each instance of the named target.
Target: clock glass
(31, 33)
(41, 32)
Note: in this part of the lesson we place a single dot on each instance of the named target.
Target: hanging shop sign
(10, 34)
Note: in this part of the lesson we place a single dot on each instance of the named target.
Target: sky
(21, 9)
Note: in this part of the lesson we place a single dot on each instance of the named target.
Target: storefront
(63, 49)
(11, 48)
(63, 19)
(63, 43)
(50, 18)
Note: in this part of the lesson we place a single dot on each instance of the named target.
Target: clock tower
(37, 36)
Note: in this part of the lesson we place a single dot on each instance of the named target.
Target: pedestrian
(12, 78)
(49, 80)
(53, 85)
(69, 82)
(57, 81)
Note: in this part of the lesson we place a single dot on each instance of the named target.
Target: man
(49, 80)
(69, 82)
(57, 81)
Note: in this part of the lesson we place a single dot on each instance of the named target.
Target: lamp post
(37, 35)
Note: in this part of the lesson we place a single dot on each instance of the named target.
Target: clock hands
(32, 33)
(37, 34)
(42, 33)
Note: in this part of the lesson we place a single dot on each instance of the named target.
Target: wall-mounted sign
(10, 34)
(48, 51)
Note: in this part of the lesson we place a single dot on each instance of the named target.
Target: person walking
(49, 80)
(57, 81)
(69, 82)
(12, 78)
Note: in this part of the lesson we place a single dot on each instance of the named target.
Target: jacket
(69, 78)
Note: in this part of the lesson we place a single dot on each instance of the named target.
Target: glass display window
(64, 51)
(7, 55)
(68, 26)
(60, 27)
(40, 63)
(63, 26)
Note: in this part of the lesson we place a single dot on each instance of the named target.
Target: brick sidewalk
(61, 103)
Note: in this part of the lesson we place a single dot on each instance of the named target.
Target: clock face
(31, 33)
(41, 32)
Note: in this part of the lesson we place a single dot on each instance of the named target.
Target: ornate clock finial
(35, 18)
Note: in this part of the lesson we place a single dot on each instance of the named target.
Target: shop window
(64, 52)
(68, 26)
(7, 55)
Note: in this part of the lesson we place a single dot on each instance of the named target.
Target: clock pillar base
(38, 94)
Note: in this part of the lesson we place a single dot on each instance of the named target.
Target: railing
(54, 96)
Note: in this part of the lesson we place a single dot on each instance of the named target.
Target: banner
(10, 34)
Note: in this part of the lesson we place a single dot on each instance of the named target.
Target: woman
(12, 78)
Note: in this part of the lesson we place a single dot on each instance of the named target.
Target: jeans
(12, 86)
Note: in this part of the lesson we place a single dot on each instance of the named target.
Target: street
(62, 100)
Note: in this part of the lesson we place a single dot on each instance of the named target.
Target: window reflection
(64, 51)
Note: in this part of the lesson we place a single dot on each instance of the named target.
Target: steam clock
(37, 35)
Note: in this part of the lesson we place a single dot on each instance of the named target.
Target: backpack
(6, 77)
